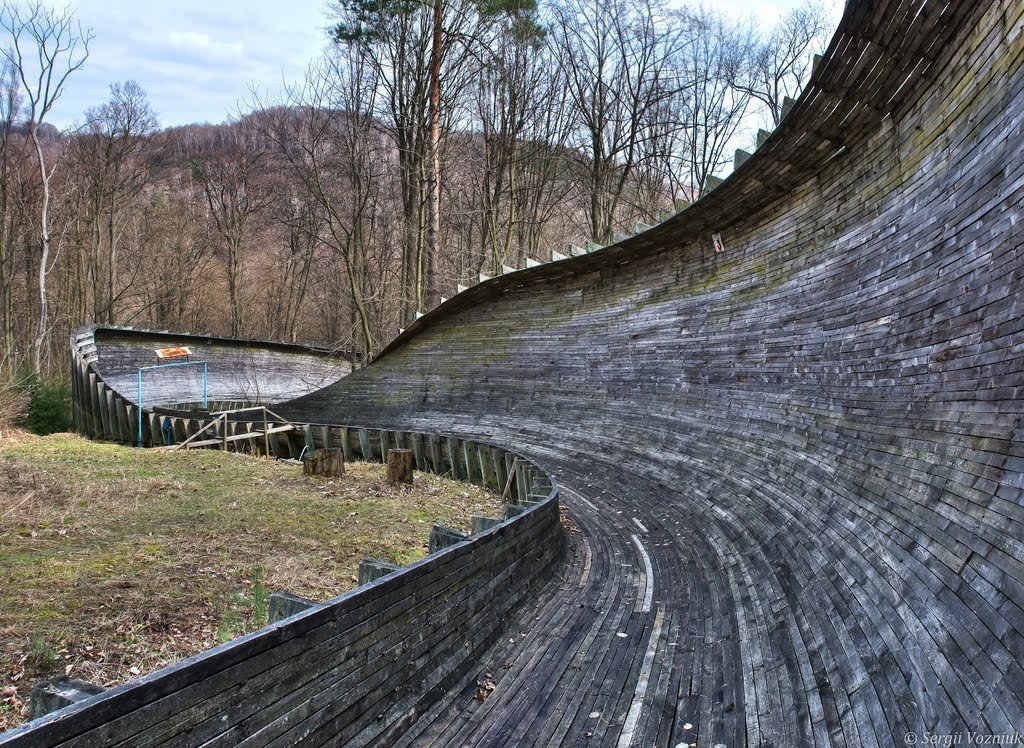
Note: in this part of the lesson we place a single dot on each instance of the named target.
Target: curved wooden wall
(105, 363)
(815, 435)
(796, 466)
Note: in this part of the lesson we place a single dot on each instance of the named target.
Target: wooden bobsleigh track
(793, 469)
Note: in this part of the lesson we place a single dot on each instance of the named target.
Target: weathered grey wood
(417, 451)
(455, 458)
(508, 511)
(510, 475)
(101, 405)
(281, 605)
(293, 674)
(486, 466)
(364, 445)
(480, 524)
(472, 461)
(521, 480)
(346, 445)
(442, 537)
(295, 443)
(279, 444)
(124, 423)
(500, 470)
(57, 693)
(108, 400)
(155, 434)
(372, 569)
(794, 464)
(436, 460)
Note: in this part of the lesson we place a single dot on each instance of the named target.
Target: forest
(431, 143)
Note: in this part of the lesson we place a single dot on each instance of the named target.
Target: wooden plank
(280, 444)
(471, 461)
(155, 434)
(417, 451)
(178, 429)
(510, 474)
(103, 408)
(346, 445)
(364, 445)
(436, 459)
(498, 466)
(454, 455)
(521, 490)
(120, 411)
(94, 404)
(486, 466)
(811, 433)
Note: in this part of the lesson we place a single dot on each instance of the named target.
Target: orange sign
(180, 351)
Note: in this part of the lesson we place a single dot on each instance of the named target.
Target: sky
(198, 60)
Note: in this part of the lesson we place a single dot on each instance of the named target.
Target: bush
(49, 407)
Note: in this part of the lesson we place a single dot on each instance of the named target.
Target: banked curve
(795, 466)
(804, 451)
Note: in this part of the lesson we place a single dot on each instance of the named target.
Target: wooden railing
(222, 418)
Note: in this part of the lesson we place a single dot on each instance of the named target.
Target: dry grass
(118, 561)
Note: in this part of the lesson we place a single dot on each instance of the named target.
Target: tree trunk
(233, 295)
(44, 259)
(326, 462)
(400, 466)
(434, 196)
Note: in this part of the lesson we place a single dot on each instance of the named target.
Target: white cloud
(197, 60)
(203, 45)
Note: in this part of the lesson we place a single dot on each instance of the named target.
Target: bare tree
(299, 224)
(508, 90)
(781, 63)
(398, 44)
(716, 59)
(547, 188)
(48, 45)
(11, 158)
(618, 62)
(230, 171)
(173, 247)
(328, 143)
(116, 158)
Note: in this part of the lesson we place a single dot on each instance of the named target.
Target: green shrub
(49, 406)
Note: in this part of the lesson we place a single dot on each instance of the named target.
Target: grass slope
(116, 561)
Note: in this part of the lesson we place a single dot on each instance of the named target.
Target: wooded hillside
(321, 216)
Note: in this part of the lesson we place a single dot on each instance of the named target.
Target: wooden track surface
(238, 371)
(796, 466)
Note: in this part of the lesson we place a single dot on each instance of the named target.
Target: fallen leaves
(484, 686)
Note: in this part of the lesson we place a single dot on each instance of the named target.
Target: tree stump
(327, 462)
(400, 466)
